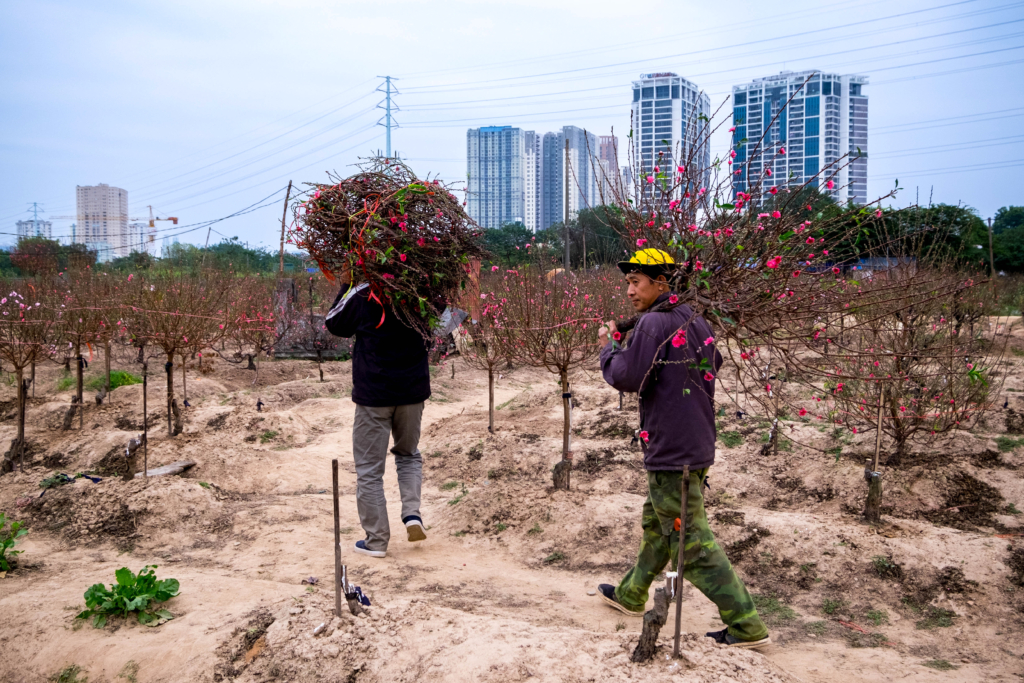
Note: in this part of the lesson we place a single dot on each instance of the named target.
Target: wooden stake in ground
(338, 588)
(683, 500)
(145, 422)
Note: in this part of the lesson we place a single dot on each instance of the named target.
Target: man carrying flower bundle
(671, 362)
(390, 382)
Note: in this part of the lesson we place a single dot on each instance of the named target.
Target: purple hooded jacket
(680, 425)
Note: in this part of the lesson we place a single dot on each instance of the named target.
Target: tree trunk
(32, 379)
(184, 380)
(319, 364)
(251, 365)
(78, 387)
(561, 473)
(179, 420)
(490, 399)
(145, 418)
(873, 505)
(653, 621)
(22, 399)
(106, 362)
(169, 371)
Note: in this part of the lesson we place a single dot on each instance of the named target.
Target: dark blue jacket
(677, 403)
(389, 360)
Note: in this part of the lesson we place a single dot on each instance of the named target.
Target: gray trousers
(370, 433)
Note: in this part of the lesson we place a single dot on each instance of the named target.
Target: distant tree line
(944, 230)
(37, 255)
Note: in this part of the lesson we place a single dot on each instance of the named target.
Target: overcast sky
(203, 109)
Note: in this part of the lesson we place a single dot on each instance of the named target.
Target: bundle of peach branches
(408, 238)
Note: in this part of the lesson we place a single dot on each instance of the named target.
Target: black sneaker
(607, 593)
(723, 638)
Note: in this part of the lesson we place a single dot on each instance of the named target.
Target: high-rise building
(671, 117)
(495, 160)
(821, 120)
(584, 167)
(532, 177)
(103, 217)
(609, 183)
(35, 228)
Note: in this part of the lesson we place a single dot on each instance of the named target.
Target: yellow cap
(651, 257)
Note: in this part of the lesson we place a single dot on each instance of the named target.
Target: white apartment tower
(35, 228)
(821, 120)
(671, 116)
(103, 218)
(532, 177)
(495, 166)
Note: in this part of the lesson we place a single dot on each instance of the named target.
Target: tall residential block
(35, 228)
(821, 120)
(532, 177)
(103, 219)
(671, 117)
(584, 173)
(495, 161)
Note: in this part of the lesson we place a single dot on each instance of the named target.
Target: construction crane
(149, 238)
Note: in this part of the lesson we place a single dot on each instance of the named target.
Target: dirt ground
(502, 588)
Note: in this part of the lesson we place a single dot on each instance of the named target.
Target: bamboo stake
(338, 588)
(683, 500)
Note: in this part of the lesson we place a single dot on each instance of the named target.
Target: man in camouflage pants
(671, 362)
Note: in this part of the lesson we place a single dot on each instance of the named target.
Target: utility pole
(387, 121)
(284, 217)
(35, 219)
(565, 220)
(991, 257)
(206, 246)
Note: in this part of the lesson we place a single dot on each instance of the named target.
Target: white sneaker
(363, 550)
(414, 527)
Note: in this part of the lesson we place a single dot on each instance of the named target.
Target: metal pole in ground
(683, 500)
(338, 588)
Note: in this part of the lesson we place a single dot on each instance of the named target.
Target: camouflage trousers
(704, 562)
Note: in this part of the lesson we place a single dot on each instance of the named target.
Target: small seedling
(937, 618)
(204, 484)
(556, 556)
(8, 537)
(730, 439)
(878, 616)
(535, 529)
(449, 485)
(130, 594)
(68, 674)
(268, 436)
(619, 625)
(458, 499)
(130, 671)
(817, 628)
(1011, 509)
(940, 665)
(500, 526)
(460, 534)
(772, 610)
(886, 567)
(832, 605)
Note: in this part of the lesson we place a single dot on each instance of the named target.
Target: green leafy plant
(55, 480)
(832, 605)
(940, 665)
(730, 439)
(773, 610)
(500, 526)
(8, 537)
(535, 529)
(556, 556)
(68, 674)
(878, 617)
(937, 618)
(130, 594)
(118, 378)
(449, 485)
(268, 435)
(817, 628)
